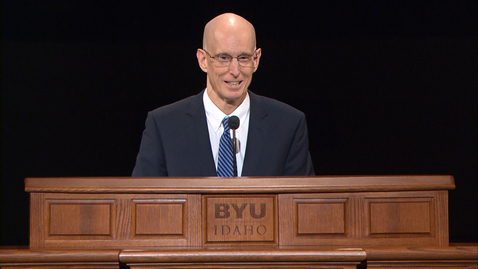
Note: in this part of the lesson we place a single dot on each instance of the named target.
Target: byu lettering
(222, 211)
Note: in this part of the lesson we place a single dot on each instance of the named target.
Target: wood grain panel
(247, 185)
(244, 254)
(369, 219)
(80, 217)
(23, 258)
(321, 211)
(37, 217)
(456, 252)
(322, 216)
(423, 265)
(240, 218)
(405, 216)
(194, 220)
(441, 218)
(318, 219)
(159, 217)
(405, 221)
(459, 256)
(286, 220)
(123, 218)
(90, 231)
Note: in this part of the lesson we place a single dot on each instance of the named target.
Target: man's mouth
(234, 83)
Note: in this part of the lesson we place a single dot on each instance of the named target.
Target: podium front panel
(114, 220)
(411, 218)
(240, 219)
(79, 213)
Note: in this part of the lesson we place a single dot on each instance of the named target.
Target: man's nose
(234, 67)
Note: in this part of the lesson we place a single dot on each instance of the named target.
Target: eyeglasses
(223, 59)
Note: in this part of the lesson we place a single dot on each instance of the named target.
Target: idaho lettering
(222, 211)
(239, 230)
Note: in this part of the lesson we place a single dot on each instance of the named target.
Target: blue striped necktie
(225, 163)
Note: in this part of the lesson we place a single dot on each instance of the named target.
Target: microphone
(233, 123)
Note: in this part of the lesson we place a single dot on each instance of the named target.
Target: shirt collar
(215, 116)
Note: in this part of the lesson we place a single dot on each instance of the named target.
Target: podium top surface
(239, 184)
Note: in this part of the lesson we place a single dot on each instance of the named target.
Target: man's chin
(231, 94)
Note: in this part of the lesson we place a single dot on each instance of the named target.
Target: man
(182, 139)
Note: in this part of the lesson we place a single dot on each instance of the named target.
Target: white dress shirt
(214, 125)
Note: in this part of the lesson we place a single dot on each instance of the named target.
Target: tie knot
(225, 123)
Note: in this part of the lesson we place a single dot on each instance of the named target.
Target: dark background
(388, 87)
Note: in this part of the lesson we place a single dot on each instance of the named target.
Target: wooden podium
(266, 222)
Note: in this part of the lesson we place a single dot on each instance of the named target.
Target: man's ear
(256, 61)
(202, 60)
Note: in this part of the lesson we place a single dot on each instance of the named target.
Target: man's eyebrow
(242, 53)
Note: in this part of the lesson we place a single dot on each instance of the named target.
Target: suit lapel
(257, 136)
(199, 136)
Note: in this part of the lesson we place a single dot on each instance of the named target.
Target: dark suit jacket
(176, 141)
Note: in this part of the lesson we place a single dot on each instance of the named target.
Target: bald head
(230, 27)
(228, 36)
